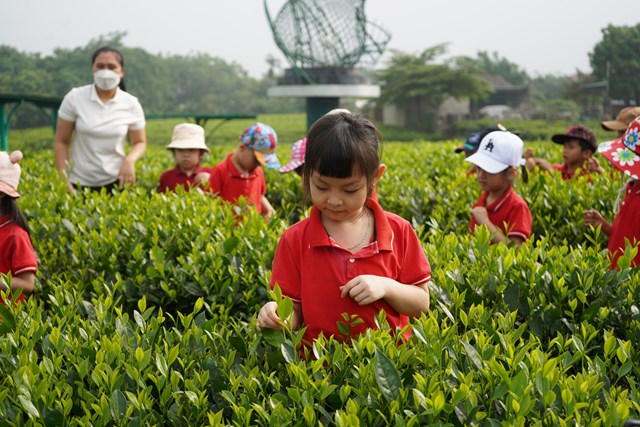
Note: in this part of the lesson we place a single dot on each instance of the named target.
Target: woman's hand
(127, 173)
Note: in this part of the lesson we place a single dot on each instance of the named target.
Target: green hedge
(146, 303)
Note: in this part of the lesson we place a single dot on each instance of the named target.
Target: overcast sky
(541, 36)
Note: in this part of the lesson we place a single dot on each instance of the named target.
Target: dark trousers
(109, 187)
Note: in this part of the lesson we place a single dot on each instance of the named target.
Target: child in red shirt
(579, 144)
(504, 212)
(17, 256)
(624, 155)
(239, 175)
(188, 147)
(350, 256)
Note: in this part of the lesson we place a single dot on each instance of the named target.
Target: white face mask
(106, 79)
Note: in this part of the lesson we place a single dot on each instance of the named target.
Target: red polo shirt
(172, 178)
(310, 268)
(16, 252)
(566, 175)
(509, 213)
(626, 225)
(228, 183)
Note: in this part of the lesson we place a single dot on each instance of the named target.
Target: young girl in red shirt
(499, 208)
(17, 256)
(349, 256)
(624, 155)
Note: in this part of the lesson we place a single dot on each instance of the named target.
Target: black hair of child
(9, 206)
(115, 51)
(341, 144)
(584, 146)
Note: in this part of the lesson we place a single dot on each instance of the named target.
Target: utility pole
(607, 98)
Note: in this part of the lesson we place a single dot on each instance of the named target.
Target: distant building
(505, 94)
(502, 103)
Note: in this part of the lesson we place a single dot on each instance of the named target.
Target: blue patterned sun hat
(262, 139)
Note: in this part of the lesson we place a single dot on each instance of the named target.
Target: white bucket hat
(497, 151)
(188, 136)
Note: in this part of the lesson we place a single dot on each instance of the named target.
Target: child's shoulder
(394, 218)
(11, 230)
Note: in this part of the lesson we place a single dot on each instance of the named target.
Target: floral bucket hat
(624, 152)
(262, 139)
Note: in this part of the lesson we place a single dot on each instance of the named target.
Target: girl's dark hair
(8, 206)
(341, 144)
(118, 54)
(525, 174)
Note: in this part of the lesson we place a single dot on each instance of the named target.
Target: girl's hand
(593, 218)
(127, 173)
(268, 213)
(593, 165)
(268, 317)
(480, 214)
(203, 178)
(365, 289)
(528, 153)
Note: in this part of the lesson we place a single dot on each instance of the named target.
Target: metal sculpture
(327, 34)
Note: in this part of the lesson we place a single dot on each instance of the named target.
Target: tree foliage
(486, 63)
(418, 80)
(616, 58)
(164, 84)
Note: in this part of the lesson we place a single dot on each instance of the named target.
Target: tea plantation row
(145, 312)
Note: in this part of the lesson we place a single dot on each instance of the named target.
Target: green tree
(421, 85)
(164, 84)
(486, 63)
(616, 58)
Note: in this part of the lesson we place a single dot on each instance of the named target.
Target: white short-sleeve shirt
(97, 145)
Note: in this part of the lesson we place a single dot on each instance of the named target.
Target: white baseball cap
(497, 151)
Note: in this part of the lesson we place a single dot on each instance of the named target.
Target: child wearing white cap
(17, 256)
(499, 208)
(188, 146)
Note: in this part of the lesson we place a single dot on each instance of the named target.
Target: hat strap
(616, 205)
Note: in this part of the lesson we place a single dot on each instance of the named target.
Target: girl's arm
(127, 173)
(406, 299)
(268, 316)
(24, 281)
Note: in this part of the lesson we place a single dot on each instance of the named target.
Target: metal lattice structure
(327, 33)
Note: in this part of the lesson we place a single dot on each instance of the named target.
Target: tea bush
(146, 303)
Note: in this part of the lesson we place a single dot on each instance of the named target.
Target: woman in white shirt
(93, 123)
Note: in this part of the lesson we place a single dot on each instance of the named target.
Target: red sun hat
(624, 152)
